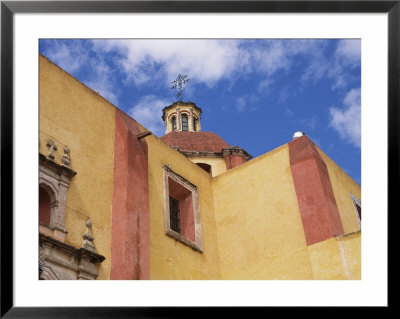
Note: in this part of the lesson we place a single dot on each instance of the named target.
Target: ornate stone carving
(55, 179)
(49, 273)
(64, 262)
(52, 148)
(66, 159)
(88, 237)
(41, 260)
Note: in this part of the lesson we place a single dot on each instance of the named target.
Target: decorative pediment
(60, 261)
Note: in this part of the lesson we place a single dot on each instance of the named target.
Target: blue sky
(253, 93)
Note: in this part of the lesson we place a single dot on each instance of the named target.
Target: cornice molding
(55, 167)
(78, 252)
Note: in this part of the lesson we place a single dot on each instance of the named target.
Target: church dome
(195, 141)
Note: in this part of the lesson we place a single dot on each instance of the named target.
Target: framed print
(196, 154)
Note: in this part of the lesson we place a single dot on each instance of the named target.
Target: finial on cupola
(179, 84)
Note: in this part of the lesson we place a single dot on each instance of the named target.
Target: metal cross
(180, 81)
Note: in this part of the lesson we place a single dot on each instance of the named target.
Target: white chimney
(298, 134)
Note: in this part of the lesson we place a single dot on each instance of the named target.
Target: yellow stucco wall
(218, 165)
(337, 258)
(350, 251)
(169, 258)
(72, 114)
(260, 232)
(343, 185)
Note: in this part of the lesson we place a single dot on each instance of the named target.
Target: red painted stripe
(317, 204)
(130, 236)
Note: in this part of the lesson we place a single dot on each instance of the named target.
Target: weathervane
(180, 81)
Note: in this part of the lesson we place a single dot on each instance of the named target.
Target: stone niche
(58, 260)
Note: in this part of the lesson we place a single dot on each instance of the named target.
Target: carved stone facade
(60, 261)
(55, 179)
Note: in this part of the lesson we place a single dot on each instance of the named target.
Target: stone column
(166, 124)
(178, 119)
(191, 128)
(59, 212)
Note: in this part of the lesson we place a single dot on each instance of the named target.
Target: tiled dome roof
(195, 141)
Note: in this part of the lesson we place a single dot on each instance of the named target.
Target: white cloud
(240, 104)
(105, 89)
(284, 94)
(148, 112)
(158, 62)
(347, 121)
(310, 123)
(209, 61)
(272, 58)
(347, 57)
(74, 57)
(264, 85)
(206, 61)
(317, 68)
(246, 102)
(70, 56)
(349, 50)
(288, 112)
(101, 80)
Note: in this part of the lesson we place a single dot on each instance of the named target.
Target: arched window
(54, 180)
(184, 122)
(44, 206)
(174, 123)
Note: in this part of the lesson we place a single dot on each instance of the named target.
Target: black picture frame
(9, 8)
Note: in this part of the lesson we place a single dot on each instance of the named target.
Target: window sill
(52, 232)
(184, 240)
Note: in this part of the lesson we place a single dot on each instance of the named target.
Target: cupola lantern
(182, 116)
